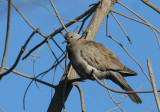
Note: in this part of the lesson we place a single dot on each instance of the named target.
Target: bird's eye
(71, 37)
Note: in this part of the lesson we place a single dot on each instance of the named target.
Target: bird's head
(71, 37)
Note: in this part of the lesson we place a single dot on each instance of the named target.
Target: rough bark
(101, 12)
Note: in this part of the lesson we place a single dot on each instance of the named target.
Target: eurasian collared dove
(86, 56)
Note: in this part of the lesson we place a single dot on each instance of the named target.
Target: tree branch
(19, 56)
(124, 92)
(81, 95)
(151, 5)
(58, 15)
(30, 77)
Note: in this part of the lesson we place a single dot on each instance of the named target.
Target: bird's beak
(65, 41)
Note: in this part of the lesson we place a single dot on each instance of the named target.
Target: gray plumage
(86, 56)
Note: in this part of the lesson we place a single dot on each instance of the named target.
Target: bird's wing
(100, 57)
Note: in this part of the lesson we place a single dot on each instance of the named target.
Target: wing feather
(100, 57)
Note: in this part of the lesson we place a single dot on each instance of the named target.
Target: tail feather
(119, 80)
(134, 97)
(127, 72)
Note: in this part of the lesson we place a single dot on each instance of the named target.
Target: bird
(87, 56)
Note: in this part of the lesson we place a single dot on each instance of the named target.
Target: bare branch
(145, 23)
(28, 21)
(19, 56)
(125, 92)
(58, 15)
(30, 77)
(54, 55)
(81, 95)
(2, 109)
(125, 50)
(151, 108)
(84, 20)
(113, 109)
(52, 12)
(57, 44)
(118, 105)
(130, 56)
(153, 84)
(122, 28)
(7, 38)
(151, 5)
(140, 18)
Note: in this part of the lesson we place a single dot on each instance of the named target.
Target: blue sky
(145, 45)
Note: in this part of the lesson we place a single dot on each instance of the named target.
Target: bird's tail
(119, 80)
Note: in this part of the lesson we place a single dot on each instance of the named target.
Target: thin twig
(151, 5)
(19, 56)
(125, 50)
(156, 35)
(113, 109)
(57, 44)
(125, 92)
(34, 73)
(75, 29)
(130, 56)
(145, 23)
(58, 31)
(129, 17)
(138, 17)
(153, 83)
(30, 77)
(81, 95)
(24, 64)
(37, 77)
(54, 55)
(84, 20)
(58, 15)
(118, 105)
(121, 28)
(151, 108)
(77, 18)
(2, 109)
(53, 66)
(7, 38)
(28, 21)
(52, 12)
